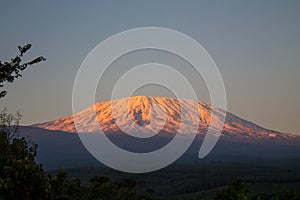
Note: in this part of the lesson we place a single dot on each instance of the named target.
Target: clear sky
(255, 44)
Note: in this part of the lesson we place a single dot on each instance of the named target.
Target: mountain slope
(135, 114)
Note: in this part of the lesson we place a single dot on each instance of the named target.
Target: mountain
(135, 115)
(60, 146)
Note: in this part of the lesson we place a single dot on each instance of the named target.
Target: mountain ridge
(144, 114)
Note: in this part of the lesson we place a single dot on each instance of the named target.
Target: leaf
(24, 49)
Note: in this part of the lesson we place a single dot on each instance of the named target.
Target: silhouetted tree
(20, 176)
(236, 191)
(11, 70)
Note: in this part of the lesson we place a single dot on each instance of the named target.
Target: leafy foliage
(236, 191)
(9, 71)
(20, 176)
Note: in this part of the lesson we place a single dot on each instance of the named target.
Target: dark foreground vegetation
(269, 180)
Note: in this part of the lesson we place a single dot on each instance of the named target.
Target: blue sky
(255, 44)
